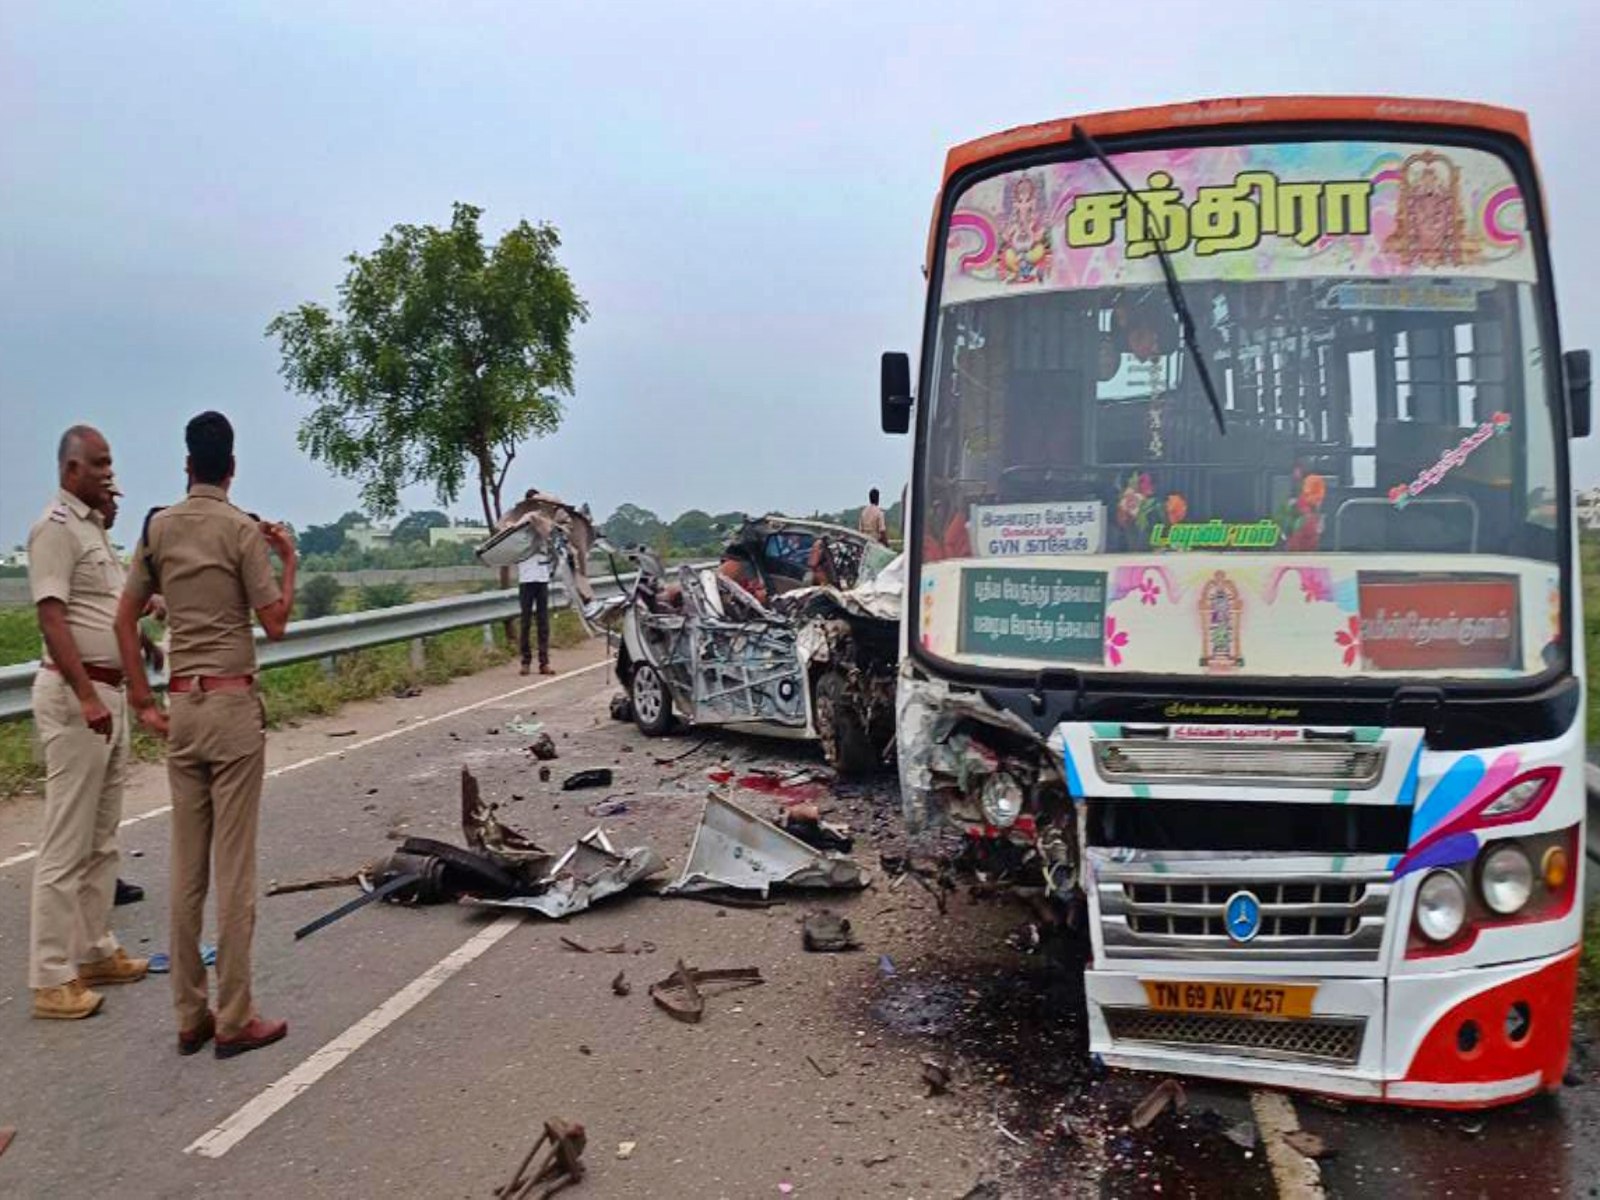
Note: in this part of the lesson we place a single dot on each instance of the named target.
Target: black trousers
(534, 596)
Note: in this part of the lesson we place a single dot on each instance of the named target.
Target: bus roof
(1240, 111)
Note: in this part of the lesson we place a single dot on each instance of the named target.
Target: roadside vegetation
(290, 693)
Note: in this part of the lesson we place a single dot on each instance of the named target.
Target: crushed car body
(795, 633)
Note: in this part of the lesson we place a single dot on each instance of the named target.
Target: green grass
(306, 690)
(1589, 971)
(19, 636)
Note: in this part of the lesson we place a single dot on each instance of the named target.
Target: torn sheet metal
(488, 835)
(736, 849)
(590, 870)
(543, 524)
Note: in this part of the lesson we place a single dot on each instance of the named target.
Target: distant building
(17, 558)
(1588, 503)
(467, 532)
(369, 537)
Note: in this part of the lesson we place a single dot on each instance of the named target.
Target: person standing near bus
(209, 560)
(873, 523)
(82, 720)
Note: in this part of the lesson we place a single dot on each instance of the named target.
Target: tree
(695, 530)
(413, 527)
(631, 525)
(445, 356)
(319, 595)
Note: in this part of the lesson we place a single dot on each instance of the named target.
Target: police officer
(209, 560)
(82, 721)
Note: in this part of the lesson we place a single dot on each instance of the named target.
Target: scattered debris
(620, 985)
(572, 943)
(827, 932)
(543, 748)
(7, 1136)
(805, 822)
(676, 758)
(592, 778)
(589, 871)
(984, 1189)
(876, 1160)
(161, 963)
(525, 726)
(489, 836)
(1006, 1133)
(825, 1072)
(936, 1076)
(607, 808)
(679, 995)
(553, 1162)
(407, 693)
(342, 733)
(886, 967)
(344, 910)
(621, 707)
(625, 1149)
(734, 848)
(1242, 1135)
(1167, 1093)
(342, 879)
(544, 774)
(1304, 1142)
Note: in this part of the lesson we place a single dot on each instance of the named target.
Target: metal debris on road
(7, 1136)
(621, 707)
(1242, 1135)
(1303, 1142)
(344, 910)
(886, 967)
(625, 1149)
(606, 808)
(826, 932)
(676, 758)
(825, 1072)
(488, 835)
(543, 748)
(805, 822)
(553, 1162)
(735, 848)
(592, 778)
(679, 995)
(1166, 1094)
(589, 871)
(620, 985)
(936, 1076)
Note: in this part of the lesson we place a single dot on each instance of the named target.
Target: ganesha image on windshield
(1024, 232)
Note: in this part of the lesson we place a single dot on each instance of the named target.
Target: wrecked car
(795, 633)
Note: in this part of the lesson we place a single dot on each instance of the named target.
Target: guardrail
(327, 637)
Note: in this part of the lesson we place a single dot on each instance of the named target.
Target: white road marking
(1296, 1176)
(277, 1095)
(30, 855)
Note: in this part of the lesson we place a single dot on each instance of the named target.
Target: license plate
(1236, 999)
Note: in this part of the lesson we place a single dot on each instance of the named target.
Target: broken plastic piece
(592, 778)
(679, 994)
(737, 849)
(1167, 1093)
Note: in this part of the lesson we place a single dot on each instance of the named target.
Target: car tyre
(845, 743)
(652, 703)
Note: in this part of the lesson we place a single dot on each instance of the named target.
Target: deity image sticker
(1220, 612)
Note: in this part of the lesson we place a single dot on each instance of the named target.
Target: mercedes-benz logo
(1241, 916)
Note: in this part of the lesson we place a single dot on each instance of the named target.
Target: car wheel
(845, 743)
(652, 706)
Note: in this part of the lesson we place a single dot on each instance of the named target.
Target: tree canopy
(444, 356)
(413, 527)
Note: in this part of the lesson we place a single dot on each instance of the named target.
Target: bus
(1242, 611)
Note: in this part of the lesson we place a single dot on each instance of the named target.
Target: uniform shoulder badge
(59, 514)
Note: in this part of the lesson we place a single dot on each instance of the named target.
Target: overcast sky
(743, 190)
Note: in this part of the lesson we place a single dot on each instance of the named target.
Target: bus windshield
(1385, 500)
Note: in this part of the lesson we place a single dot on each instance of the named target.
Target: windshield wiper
(1180, 306)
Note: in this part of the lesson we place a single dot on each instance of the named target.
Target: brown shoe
(546, 669)
(260, 1032)
(69, 1002)
(118, 968)
(526, 670)
(192, 1041)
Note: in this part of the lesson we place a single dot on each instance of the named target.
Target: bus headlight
(1506, 879)
(1002, 799)
(1441, 906)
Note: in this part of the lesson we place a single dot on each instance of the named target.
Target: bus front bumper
(1463, 1039)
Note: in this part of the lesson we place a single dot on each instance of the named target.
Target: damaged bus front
(1240, 593)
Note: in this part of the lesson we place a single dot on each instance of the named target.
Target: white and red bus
(1242, 603)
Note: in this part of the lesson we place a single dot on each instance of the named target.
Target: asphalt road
(427, 1045)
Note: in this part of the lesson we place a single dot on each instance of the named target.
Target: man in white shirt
(533, 592)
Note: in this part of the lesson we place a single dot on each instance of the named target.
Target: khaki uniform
(209, 561)
(75, 879)
(873, 524)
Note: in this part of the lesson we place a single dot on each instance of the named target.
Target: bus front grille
(1331, 1040)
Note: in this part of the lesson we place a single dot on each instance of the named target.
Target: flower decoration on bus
(1116, 642)
(1137, 503)
(1301, 515)
(1349, 640)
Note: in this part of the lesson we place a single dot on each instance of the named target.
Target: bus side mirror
(895, 398)
(1575, 364)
